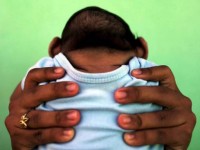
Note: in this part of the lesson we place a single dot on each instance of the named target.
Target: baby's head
(96, 33)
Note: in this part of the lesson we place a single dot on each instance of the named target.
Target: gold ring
(23, 121)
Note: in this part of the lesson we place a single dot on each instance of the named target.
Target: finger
(58, 135)
(19, 136)
(35, 96)
(160, 119)
(39, 75)
(66, 118)
(159, 95)
(162, 74)
(36, 119)
(41, 136)
(16, 92)
(157, 136)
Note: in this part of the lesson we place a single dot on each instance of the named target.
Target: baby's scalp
(96, 27)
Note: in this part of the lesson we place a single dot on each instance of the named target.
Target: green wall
(171, 27)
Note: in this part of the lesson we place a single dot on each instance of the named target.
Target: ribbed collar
(91, 77)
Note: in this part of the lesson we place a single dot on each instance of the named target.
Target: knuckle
(191, 123)
(185, 136)
(14, 134)
(58, 117)
(15, 103)
(34, 98)
(56, 88)
(32, 92)
(168, 71)
(193, 119)
(162, 117)
(38, 135)
(160, 90)
(137, 93)
(149, 71)
(9, 127)
(187, 102)
(12, 105)
(31, 72)
(137, 121)
(166, 68)
(47, 71)
(7, 122)
(187, 132)
(161, 134)
(35, 119)
(142, 138)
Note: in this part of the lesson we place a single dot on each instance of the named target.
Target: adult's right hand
(43, 126)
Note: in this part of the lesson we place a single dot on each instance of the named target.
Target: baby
(98, 51)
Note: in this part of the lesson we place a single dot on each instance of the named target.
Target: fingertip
(72, 88)
(76, 87)
(124, 119)
(59, 70)
(55, 73)
(130, 139)
(73, 117)
(119, 120)
(68, 134)
(136, 72)
(120, 96)
(78, 116)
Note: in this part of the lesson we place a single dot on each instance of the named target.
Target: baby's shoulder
(44, 62)
(136, 63)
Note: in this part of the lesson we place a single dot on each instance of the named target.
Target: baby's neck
(98, 60)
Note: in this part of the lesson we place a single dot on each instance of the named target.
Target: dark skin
(57, 126)
(158, 127)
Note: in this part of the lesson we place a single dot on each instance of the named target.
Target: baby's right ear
(55, 46)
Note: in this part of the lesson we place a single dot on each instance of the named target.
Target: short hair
(96, 27)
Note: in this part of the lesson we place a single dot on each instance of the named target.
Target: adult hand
(173, 126)
(43, 126)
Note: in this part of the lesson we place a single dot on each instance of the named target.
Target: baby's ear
(54, 46)
(142, 51)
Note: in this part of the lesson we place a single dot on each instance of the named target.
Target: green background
(171, 27)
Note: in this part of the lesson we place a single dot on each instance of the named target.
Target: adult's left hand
(172, 126)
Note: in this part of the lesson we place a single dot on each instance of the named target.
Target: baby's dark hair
(96, 27)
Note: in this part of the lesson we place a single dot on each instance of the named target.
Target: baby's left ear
(142, 52)
(54, 46)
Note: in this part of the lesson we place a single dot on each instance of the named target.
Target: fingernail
(121, 94)
(72, 115)
(68, 132)
(129, 136)
(137, 71)
(126, 119)
(58, 70)
(71, 87)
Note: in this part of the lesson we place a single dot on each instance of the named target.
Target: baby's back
(98, 128)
